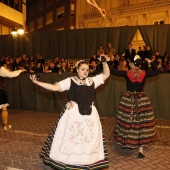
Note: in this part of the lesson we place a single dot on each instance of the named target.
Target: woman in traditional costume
(135, 124)
(76, 141)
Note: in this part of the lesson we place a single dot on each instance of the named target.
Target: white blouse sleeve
(65, 84)
(6, 73)
(98, 80)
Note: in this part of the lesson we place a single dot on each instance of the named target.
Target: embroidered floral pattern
(81, 132)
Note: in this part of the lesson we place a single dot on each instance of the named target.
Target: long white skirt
(78, 138)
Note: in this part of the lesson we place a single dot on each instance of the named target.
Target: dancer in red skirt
(135, 125)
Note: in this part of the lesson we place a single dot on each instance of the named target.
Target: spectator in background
(167, 66)
(165, 57)
(113, 64)
(2, 62)
(38, 68)
(157, 54)
(94, 69)
(40, 59)
(64, 68)
(150, 62)
(100, 50)
(117, 57)
(93, 58)
(110, 50)
(160, 65)
(16, 63)
(130, 53)
(57, 61)
(147, 53)
(32, 59)
(52, 68)
(122, 65)
(140, 52)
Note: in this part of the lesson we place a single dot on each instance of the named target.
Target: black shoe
(141, 155)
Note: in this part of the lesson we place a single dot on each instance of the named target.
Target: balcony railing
(128, 9)
(140, 7)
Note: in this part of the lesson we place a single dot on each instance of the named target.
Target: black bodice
(2, 82)
(83, 95)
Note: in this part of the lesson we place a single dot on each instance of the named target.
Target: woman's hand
(102, 58)
(34, 79)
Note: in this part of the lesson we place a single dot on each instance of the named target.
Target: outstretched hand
(34, 79)
(102, 58)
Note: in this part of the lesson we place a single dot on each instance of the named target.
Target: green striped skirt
(135, 124)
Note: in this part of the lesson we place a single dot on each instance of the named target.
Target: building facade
(50, 15)
(123, 13)
(12, 15)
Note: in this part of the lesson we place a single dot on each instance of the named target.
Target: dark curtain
(101, 38)
(62, 44)
(28, 44)
(37, 43)
(156, 36)
(53, 45)
(21, 47)
(80, 44)
(113, 37)
(23, 94)
(2, 45)
(90, 43)
(126, 35)
(83, 43)
(14, 46)
(7, 48)
(45, 46)
(71, 44)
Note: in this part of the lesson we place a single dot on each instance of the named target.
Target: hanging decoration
(102, 11)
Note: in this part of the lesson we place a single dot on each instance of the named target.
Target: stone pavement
(20, 147)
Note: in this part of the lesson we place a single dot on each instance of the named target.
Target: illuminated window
(158, 22)
(62, 28)
(39, 22)
(60, 13)
(49, 18)
(31, 26)
(72, 9)
(72, 27)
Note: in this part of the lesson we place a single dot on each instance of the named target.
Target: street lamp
(14, 31)
(20, 30)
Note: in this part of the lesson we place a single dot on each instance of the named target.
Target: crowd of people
(76, 140)
(115, 61)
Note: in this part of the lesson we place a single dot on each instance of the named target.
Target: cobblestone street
(20, 147)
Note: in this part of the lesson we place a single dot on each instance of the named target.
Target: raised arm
(106, 70)
(6, 73)
(48, 86)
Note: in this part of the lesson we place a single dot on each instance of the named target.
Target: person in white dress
(76, 141)
(3, 95)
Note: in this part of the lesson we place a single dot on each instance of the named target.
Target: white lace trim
(88, 81)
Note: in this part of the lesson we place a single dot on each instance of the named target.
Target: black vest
(83, 95)
(2, 82)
